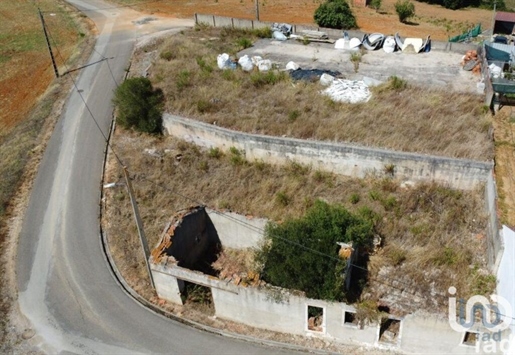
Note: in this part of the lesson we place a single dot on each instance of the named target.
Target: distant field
(432, 20)
(25, 66)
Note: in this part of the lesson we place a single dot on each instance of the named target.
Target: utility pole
(139, 225)
(257, 10)
(48, 43)
(493, 18)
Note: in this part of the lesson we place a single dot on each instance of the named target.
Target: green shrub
(271, 77)
(263, 32)
(167, 55)
(302, 254)
(139, 105)
(282, 198)
(354, 198)
(405, 9)
(244, 43)
(183, 80)
(335, 14)
(215, 153)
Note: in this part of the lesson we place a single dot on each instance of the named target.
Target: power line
(84, 101)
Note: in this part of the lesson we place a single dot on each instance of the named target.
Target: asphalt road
(66, 290)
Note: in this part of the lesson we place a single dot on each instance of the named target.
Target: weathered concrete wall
(284, 312)
(506, 281)
(345, 159)
(221, 21)
(237, 231)
(493, 238)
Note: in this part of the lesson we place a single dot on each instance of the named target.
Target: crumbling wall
(276, 309)
(187, 238)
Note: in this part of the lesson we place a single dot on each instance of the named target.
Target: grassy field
(432, 20)
(26, 101)
(398, 116)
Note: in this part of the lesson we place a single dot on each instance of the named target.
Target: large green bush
(302, 254)
(335, 14)
(139, 105)
(405, 9)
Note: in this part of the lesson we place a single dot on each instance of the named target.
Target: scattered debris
(350, 91)
(347, 43)
(470, 61)
(279, 36)
(312, 74)
(326, 79)
(292, 66)
(283, 28)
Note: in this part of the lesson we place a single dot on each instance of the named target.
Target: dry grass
(433, 237)
(406, 119)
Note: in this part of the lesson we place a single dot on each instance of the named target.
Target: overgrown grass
(398, 116)
(432, 236)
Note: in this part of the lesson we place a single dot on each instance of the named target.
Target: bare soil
(432, 20)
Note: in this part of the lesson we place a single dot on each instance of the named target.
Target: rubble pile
(470, 61)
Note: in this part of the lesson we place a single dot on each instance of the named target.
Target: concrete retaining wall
(493, 238)
(222, 21)
(284, 312)
(345, 159)
(237, 231)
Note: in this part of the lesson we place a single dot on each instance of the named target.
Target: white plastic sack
(279, 36)
(246, 63)
(326, 79)
(340, 43)
(292, 66)
(256, 59)
(222, 60)
(495, 70)
(265, 65)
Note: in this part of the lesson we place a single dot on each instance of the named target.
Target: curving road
(66, 290)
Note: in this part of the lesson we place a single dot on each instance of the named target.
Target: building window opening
(315, 318)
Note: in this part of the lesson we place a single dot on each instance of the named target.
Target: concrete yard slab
(436, 68)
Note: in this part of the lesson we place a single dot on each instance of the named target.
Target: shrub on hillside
(335, 14)
(139, 105)
(405, 9)
(302, 254)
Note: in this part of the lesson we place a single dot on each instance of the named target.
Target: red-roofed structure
(504, 22)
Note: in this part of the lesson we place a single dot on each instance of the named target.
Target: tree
(335, 14)
(139, 105)
(302, 254)
(405, 9)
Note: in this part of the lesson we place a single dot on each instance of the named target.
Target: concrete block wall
(493, 238)
(340, 158)
(237, 231)
(287, 313)
(222, 21)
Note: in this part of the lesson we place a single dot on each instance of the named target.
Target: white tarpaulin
(350, 91)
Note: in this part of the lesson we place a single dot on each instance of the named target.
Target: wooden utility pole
(139, 225)
(48, 43)
(257, 10)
